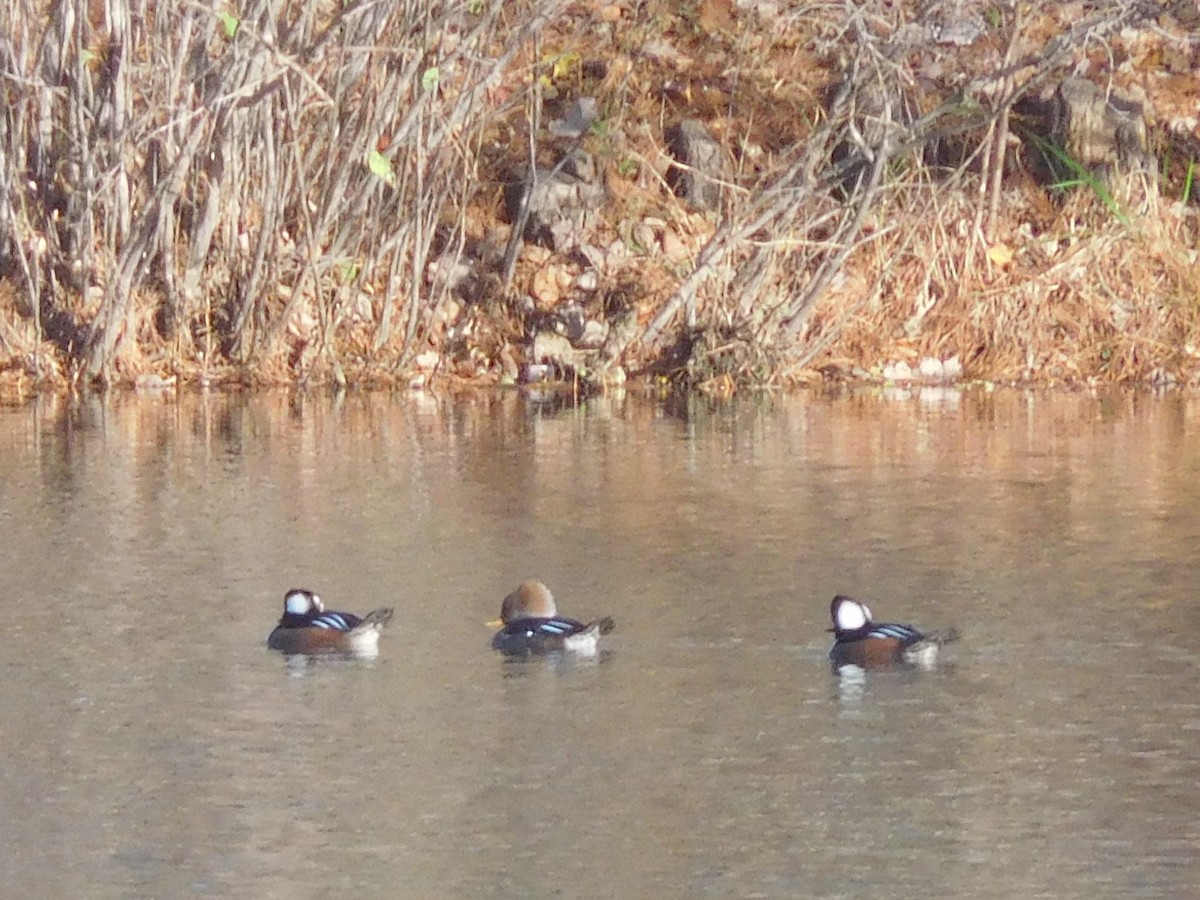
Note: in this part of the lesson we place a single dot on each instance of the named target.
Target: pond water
(153, 747)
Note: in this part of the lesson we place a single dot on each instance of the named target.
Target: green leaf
(429, 79)
(381, 167)
(230, 23)
(1063, 162)
(564, 64)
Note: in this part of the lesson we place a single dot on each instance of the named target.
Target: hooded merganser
(859, 641)
(531, 624)
(306, 627)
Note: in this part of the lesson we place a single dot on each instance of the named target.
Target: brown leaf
(716, 16)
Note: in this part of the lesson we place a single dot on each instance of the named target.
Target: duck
(307, 627)
(530, 624)
(858, 640)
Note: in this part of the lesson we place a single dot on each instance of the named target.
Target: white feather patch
(300, 603)
(852, 615)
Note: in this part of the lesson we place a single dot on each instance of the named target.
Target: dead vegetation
(300, 193)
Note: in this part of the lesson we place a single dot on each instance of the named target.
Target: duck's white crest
(301, 603)
(851, 615)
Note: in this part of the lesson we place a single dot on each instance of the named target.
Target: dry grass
(970, 260)
(291, 196)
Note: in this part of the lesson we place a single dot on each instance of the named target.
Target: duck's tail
(376, 618)
(604, 626)
(924, 653)
(945, 636)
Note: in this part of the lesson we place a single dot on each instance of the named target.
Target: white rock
(931, 369)
(535, 372)
(595, 333)
(428, 360)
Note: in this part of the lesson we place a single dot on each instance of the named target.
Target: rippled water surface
(153, 747)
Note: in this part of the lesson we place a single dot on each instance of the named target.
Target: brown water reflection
(153, 747)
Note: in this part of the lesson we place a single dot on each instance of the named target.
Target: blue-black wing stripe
(899, 632)
(336, 621)
(556, 627)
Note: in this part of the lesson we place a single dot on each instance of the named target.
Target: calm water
(152, 747)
